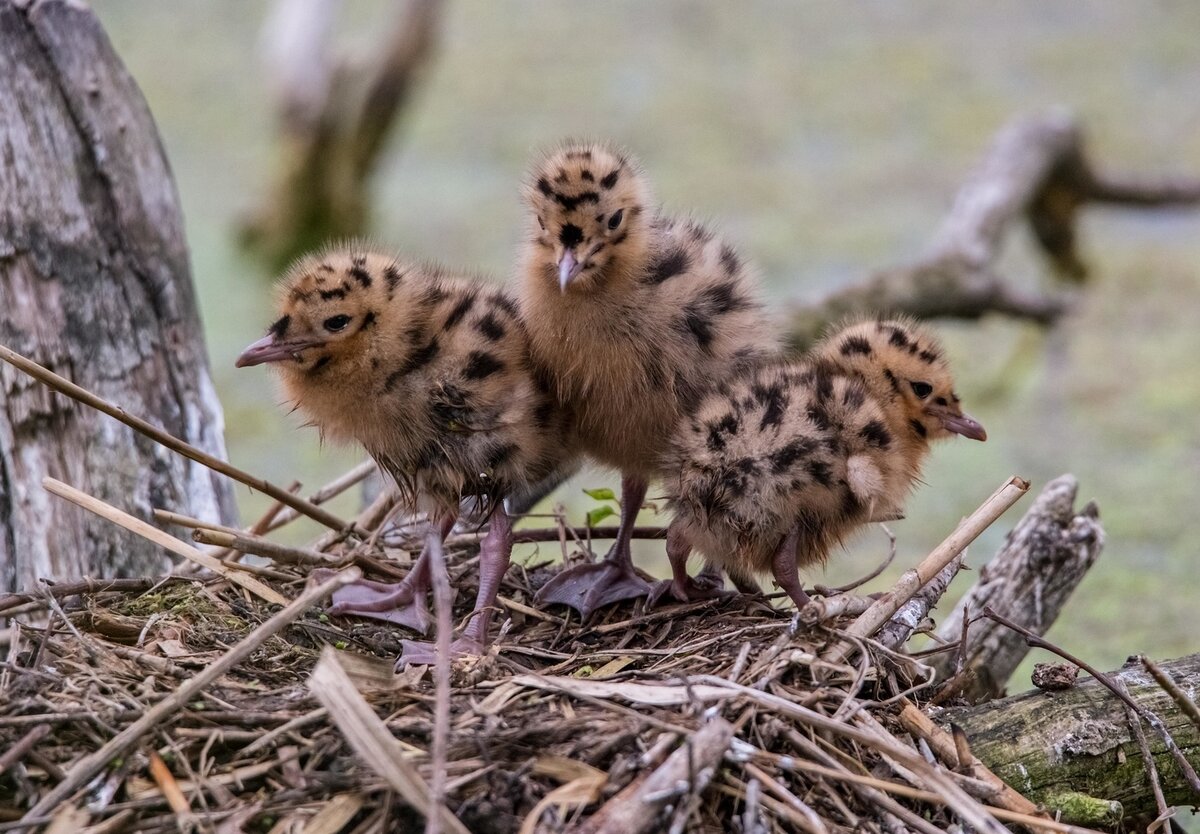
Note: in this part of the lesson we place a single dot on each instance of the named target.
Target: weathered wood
(1029, 580)
(1036, 170)
(1078, 741)
(94, 282)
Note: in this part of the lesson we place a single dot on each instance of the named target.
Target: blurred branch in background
(334, 117)
(1037, 169)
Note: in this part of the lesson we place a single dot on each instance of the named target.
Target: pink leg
(494, 554)
(785, 570)
(588, 587)
(708, 584)
(402, 603)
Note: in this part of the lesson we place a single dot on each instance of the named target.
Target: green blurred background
(826, 140)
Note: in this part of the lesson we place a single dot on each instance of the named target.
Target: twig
(880, 568)
(1135, 728)
(64, 590)
(635, 809)
(920, 725)
(552, 534)
(274, 551)
(904, 622)
(914, 579)
(331, 490)
(23, 745)
(141, 528)
(1186, 704)
(1153, 720)
(87, 767)
(370, 738)
(441, 715)
(82, 395)
(812, 820)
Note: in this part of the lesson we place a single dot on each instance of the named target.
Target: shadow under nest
(561, 713)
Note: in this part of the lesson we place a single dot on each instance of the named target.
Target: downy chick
(631, 316)
(778, 466)
(430, 373)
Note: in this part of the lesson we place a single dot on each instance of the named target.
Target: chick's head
(329, 308)
(904, 365)
(589, 218)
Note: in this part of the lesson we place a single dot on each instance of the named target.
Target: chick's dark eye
(335, 323)
(921, 389)
(615, 220)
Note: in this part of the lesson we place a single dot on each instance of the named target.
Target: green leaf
(601, 494)
(597, 515)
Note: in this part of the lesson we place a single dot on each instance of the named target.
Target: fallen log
(1073, 750)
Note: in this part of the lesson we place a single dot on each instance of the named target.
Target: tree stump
(95, 284)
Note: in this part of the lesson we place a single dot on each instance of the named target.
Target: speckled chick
(778, 466)
(429, 372)
(632, 315)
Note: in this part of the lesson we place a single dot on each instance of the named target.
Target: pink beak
(568, 269)
(270, 349)
(964, 424)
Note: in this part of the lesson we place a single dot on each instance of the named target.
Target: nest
(727, 715)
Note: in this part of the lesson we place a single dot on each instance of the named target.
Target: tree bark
(1029, 580)
(1078, 741)
(95, 284)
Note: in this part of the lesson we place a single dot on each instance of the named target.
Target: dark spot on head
(570, 203)
(856, 344)
(503, 302)
(570, 235)
(783, 458)
(941, 401)
(375, 363)
(325, 268)
(280, 327)
(876, 435)
(730, 260)
(586, 175)
(891, 378)
(723, 298)
(359, 274)
(898, 338)
(727, 425)
(328, 294)
(669, 265)
(480, 365)
(820, 472)
(416, 360)
(490, 327)
(368, 320)
(918, 428)
(610, 179)
(820, 417)
(700, 326)
(433, 294)
(928, 356)
(460, 309)
(320, 363)
(392, 276)
(773, 402)
(543, 186)
(854, 396)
